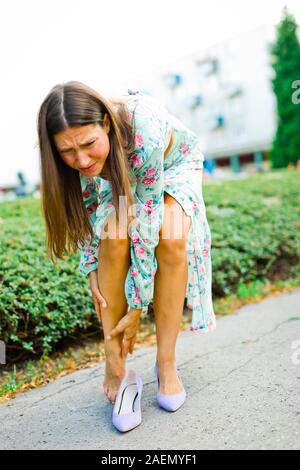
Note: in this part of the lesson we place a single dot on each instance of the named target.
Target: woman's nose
(83, 160)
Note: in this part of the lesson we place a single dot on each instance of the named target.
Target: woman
(97, 156)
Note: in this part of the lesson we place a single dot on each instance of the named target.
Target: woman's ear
(106, 122)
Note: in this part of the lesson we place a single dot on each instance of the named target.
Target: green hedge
(39, 303)
(255, 225)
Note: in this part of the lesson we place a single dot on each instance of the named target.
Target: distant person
(22, 188)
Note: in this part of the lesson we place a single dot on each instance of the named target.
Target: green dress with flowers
(180, 175)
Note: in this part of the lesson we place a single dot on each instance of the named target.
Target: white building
(224, 94)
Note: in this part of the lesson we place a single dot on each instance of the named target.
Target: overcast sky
(100, 43)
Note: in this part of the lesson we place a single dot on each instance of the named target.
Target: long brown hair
(69, 105)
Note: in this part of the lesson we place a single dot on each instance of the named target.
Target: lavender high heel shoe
(127, 408)
(169, 402)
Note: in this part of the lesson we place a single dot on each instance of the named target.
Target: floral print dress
(180, 175)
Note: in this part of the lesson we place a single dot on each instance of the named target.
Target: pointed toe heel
(169, 402)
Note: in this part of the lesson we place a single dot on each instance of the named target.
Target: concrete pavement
(242, 383)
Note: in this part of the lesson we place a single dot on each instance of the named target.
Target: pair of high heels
(127, 407)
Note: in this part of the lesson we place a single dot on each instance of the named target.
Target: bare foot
(169, 383)
(114, 373)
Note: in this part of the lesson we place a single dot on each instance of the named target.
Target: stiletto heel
(169, 402)
(127, 408)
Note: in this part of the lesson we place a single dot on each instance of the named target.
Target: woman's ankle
(113, 352)
(116, 365)
(166, 361)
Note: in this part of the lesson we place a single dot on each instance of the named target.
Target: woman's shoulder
(150, 118)
(144, 103)
(155, 118)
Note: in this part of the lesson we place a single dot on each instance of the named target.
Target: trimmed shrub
(255, 226)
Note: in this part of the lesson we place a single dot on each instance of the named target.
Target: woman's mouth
(90, 168)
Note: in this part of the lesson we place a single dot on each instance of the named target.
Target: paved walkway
(242, 382)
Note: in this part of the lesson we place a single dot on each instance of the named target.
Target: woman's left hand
(129, 324)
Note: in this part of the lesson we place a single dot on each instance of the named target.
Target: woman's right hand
(97, 297)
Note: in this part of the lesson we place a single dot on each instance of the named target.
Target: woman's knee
(171, 252)
(173, 234)
(115, 242)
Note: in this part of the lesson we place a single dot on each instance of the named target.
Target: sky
(101, 43)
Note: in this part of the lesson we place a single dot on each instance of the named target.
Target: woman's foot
(169, 383)
(114, 372)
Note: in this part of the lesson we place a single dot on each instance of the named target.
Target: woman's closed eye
(90, 143)
(86, 145)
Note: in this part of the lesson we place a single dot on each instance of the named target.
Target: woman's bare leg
(114, 259)
(169, 293)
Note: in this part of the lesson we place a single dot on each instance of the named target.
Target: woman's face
(85, 146)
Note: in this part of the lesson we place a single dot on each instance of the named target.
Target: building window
(174, 80)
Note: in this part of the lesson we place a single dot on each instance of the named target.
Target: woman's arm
(149, 196)
(89, 251)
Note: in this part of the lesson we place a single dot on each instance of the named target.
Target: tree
(286, 65)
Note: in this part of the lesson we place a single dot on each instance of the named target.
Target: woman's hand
(97, 297)
(130, 325)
